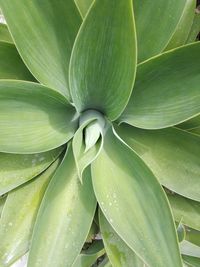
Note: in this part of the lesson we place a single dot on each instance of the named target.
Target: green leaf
(192, 125)
(2, 202)
(134, 203)
(118, 252)
(155, 24)
(165, 86)
(105, 263)
(18, 217)
(192, 261)
(33, 118)
(16, 169)
(4, 34)
(89, 256)
(64, 218)
(44, 33)
(103, 62)
(83, 6)
(169, 153)
(11, 65)
(181, 232)
(181, 33)
(195, 29)
(87, 148)
(193, 236)
(188, 248)
(185, 210)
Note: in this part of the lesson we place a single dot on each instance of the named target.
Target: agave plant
(99, 129)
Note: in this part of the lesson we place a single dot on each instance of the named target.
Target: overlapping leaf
(119, 253)
(33, 118)
(185, 210)
(172, 154)
(64, 218)
(19, 216)
(155, 24)
(16, 169)
(181, 33)
(4, 34)
(166, 91)
(137, 206)
(83, 6)
(44, 33)
(102, 66)
(11, 65)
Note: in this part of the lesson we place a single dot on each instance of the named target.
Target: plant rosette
(99, 131)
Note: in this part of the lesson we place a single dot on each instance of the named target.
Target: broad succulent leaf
(155, 24)
(33, 118)
(88, 257)
(17, 169)
(195, 130)
(185, 210)
(18, 217)
(83, 6)
(119, 254)
(11, 65)
(192, 125)
(191, 261)
(44, 33)
(64, 218)
(181, 33)
(103, 61)
(4, 34)
(169, 153)
(160, 95)
(131, 213)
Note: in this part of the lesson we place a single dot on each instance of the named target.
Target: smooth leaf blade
(119, 254)
(17, 169)
(169, 153)
(11, 65)
(33, 118)
(103, 62)
(137, 206)
(162, 97)
(192, 261)
(44, 33)
(2, 203)
(156, 24)
(18, 217)
(67, 207)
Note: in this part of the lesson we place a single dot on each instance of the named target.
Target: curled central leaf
(88, 139)
(94, 128)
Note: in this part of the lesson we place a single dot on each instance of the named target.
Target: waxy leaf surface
(166, 90)
(64, 218)
(102, 67)
(33, 118)
(191, 261)
(172, 154)
(190, 249)
(155, 24)
(134, 203)
(16, 169)
(118, 252)
(18, 217)
(11, 65)
(44, 33)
